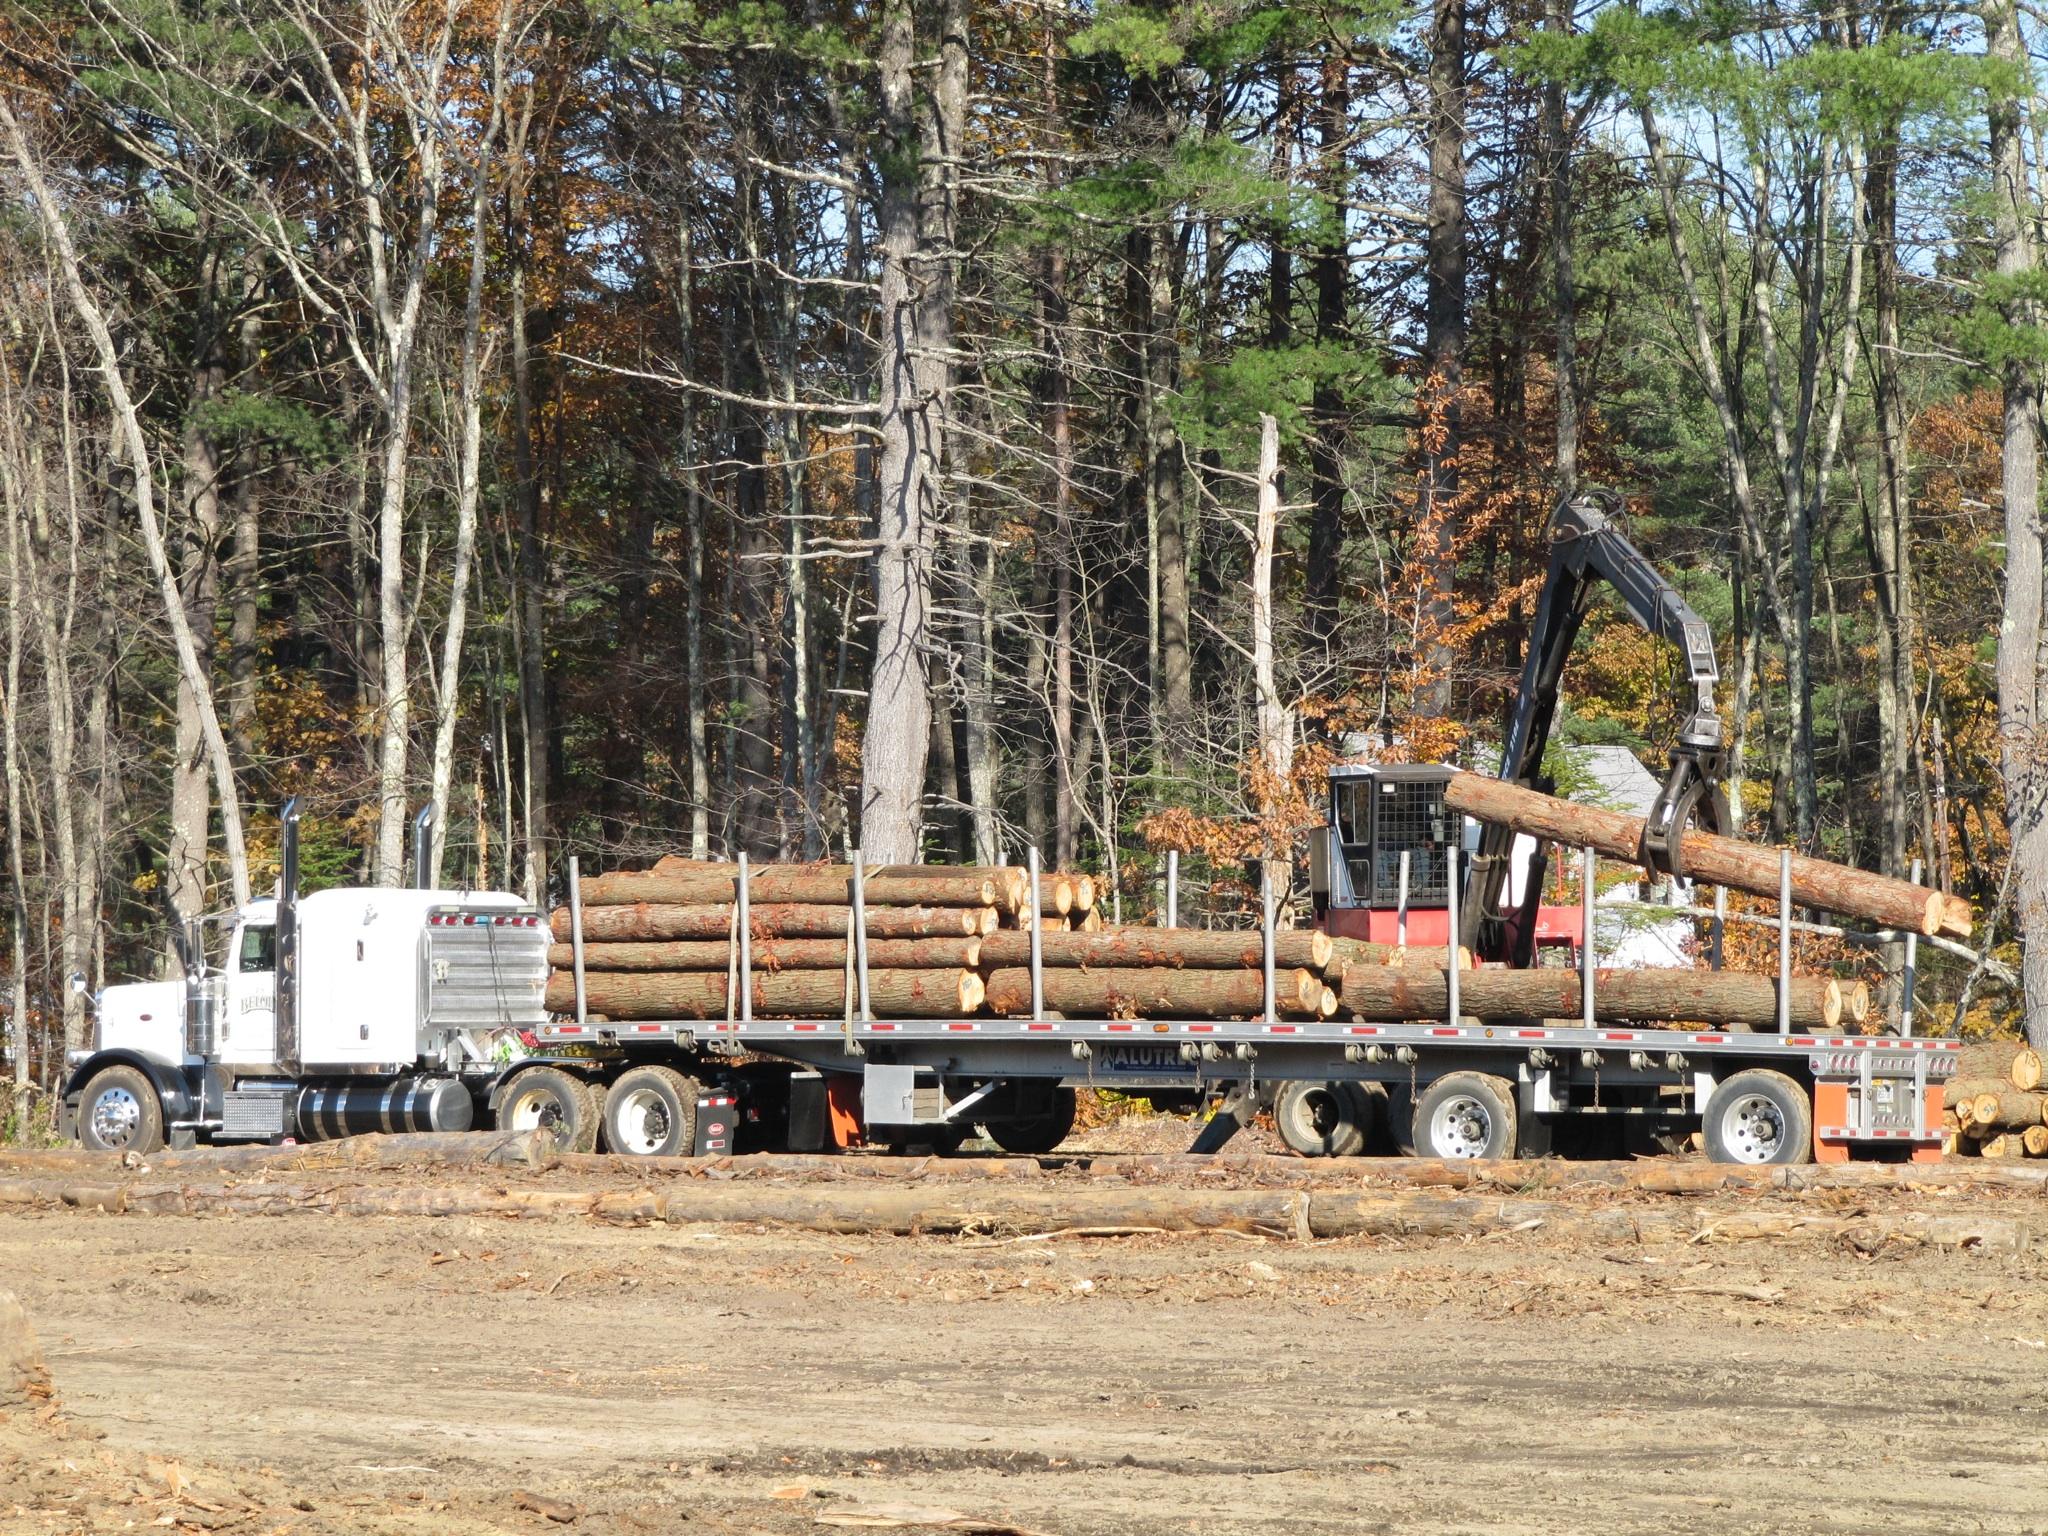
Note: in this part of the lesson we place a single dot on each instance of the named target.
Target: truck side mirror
(76, 981)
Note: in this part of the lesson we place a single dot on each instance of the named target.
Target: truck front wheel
(120, 1112)
(651, 1112)
(549, 1099)
(1759, 1117)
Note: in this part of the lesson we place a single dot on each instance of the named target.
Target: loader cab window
(259, 949)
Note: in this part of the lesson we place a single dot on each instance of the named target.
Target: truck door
(249, 1022)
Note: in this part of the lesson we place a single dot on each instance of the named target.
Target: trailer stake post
(576, 937)
(1266, 934)
(1719, 931)
(1588, 863)
(860, 936)
(1912, 966)
(1455, 1007)
(1037, 939)
(1784, 941)
(1173, 887)
(1401, 904)
(746, 947)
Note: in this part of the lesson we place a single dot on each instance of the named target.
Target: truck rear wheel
(1465, 1115)
(651, 1112)
(1323, 1119)
(1759, 1117)
(1037, 1133)
(549, 1099)
(120, 1112)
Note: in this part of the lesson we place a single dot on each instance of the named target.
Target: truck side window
(259, 949)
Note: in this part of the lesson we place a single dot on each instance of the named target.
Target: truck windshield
(259, 949)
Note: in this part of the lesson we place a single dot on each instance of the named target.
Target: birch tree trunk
(128, 424)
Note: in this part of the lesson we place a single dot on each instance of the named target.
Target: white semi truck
(320, 1016)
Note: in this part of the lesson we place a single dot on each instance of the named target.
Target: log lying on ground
(2011, 1061)
(423, 1149)
(927, 994)
(773, 955)
(1396, 993)
(771, 920)
(1188, 948)
(884, 1209)
(828, 885)
(1713, 860)
(1155, 993)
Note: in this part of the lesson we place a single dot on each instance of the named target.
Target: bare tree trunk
(1889, 522)
(531, 564)
(128, 423)
(1444, 355)
(695, 707)
(1276, 720)
(2023, 631)
(10, 759)
(469, 461)
(1557, 149)
(199, 583)
(1327, 447)
(895, 746)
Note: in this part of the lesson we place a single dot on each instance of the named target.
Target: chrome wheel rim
(535, 1112)
(1755, 1128)
(116, 1117)
(641, 1125)
(1460, 1128)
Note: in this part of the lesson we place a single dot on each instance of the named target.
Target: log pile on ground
(1993, 1106)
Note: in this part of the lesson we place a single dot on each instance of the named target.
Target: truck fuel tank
(361, 1106)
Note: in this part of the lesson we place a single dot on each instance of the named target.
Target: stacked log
(659, 944)
(1394, 993)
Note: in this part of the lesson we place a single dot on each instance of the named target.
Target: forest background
(636, 426)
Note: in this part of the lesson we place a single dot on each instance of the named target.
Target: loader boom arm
(1586, 547)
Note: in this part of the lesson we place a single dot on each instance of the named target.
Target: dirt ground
(311, 1375)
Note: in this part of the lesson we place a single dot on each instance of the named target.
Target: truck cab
(352, 1008)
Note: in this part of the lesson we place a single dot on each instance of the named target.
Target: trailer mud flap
(715, 1117)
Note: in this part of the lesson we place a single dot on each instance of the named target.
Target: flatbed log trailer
(377, 1010)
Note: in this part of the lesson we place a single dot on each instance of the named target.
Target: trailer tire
(120, 1112)
(549, 1099)
(1323, 1119)
(1466, 1115)
(1759, 1117)
(1400, 1113)
(651, 1112)
(1040, 1133)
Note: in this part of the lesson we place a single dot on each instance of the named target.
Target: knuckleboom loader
(326, 1015)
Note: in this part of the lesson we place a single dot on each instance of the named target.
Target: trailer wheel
(651, 1112)
(549, 1099)
(1759, 1117)
(1039, 1133)
(120, 1112)
(1400, 1112)
(1466, 1115)
(1323, 1119)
